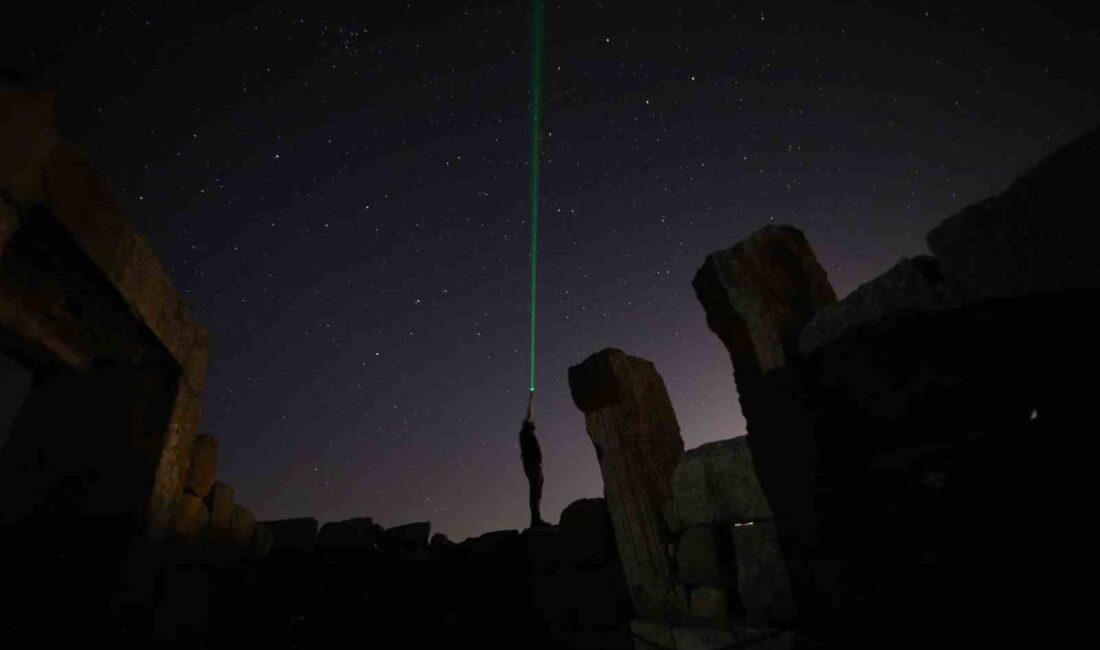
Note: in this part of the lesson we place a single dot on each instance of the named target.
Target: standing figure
(532, 462)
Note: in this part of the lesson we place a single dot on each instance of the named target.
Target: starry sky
(339, 190)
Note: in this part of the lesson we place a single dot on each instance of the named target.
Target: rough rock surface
(299, 534)
(1038, 236)
(633, 427)
(439, 542)
(716, 482)
(242, 527)
(356, 533)
(913, 284)
(656, 635)
(262, 540)
(193, 520)
(758, 294)
(763, 582)
(204, 466)
(698, 559)
(221, 503)
(410, 536)
(586, 533)
(492, 544)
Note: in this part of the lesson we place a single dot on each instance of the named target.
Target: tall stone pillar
(630, 420)
(758, 296)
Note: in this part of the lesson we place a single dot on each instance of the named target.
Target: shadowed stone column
(631, 422)
(758, 296)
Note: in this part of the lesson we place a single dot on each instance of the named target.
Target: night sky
(339, 190)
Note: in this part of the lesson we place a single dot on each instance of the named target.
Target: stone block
(262, 540)
(913, 284)
(656, 635)
(298, 534)
(222, 506)
(204, 466)
(759, 293)
(357, 533)
(242, 527)
(711, 605)
(703, 638)
(698, 558)
(1038, 236)
(410, 536)
(763, 582)
(192, 521)
(717, 483)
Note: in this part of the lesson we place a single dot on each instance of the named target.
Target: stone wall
(104, 486)
(704, 569)
(906, 435)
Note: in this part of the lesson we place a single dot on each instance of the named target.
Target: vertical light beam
(536, 132)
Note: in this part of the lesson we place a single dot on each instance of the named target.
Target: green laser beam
(536, 131)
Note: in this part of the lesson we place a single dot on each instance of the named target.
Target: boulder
(262, 540)
(220, 501)
(657, 635)
(242, 526)
(586, 534)
(492, 546)
(710, 604)
(633, 428)
(293, 534)
(716, 483)
(703, 638)
(203, 467)
(763, 582)
(357, 533)
(699, 559)
(192, 521)
(759, 293)
(1038, 236)
(410, 536)
(913, 284)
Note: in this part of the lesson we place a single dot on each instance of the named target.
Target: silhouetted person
(532, 462)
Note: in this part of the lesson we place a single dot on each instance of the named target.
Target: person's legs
(534, 483)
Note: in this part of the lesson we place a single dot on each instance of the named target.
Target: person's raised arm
(531, 407)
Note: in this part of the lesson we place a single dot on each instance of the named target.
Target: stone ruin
(908, 446)
(910, 476)
(102, 471)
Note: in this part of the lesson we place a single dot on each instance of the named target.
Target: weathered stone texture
(700, 638)
(39, 170)
(410, 536)
(293, 534)
(586, 534)
(716, 483)
(357, 533)
(242, 526)
(192, 520)
(262, 540)
(758, 294)
(633, 427)
(656, 635)
(763, 581)
(204, 465)
(1038, 236)
(711, 605)
(913, 284)
(697, 558)
(175, 457)
(222, 506)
